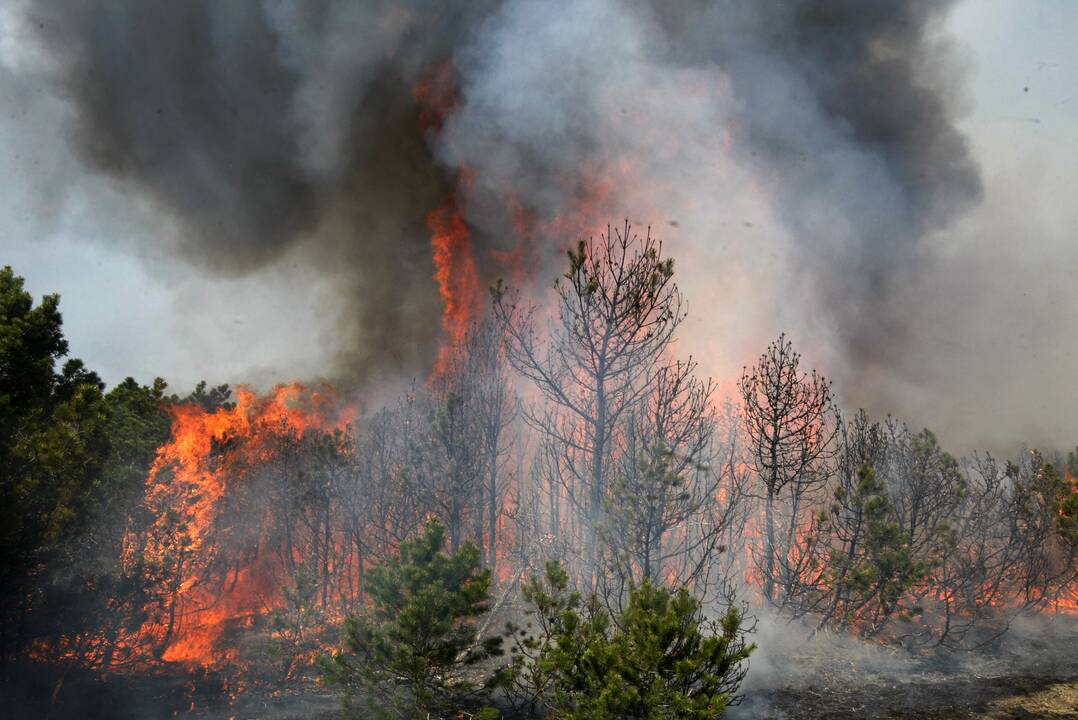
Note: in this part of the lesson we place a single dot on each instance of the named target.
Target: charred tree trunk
(492, 515)
(361, 569)
(769, 545)
(596, 491)
(327, 544)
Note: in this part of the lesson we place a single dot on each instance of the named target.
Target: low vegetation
(409, 655)
(658, 658)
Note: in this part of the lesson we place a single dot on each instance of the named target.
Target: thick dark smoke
(260, 130)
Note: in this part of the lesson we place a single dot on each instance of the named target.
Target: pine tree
(407, 656)
(658, 659)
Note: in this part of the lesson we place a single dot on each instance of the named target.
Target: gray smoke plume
(805, 149)
(839, 113)
(870, 139)
(259, 129)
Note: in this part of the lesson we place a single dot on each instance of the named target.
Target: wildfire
(456, 273)
(229, 574)
(454, 262)
(437, 96)
(202, 467)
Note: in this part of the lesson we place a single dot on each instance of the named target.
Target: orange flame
(454, 263)
(437, 96)
(207, 457)
(457, 276)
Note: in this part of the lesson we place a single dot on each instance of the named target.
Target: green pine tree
(414, 653)
(660, 659)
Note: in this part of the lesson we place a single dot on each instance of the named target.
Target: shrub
(658, 659)
(295, 627)
(407, 656)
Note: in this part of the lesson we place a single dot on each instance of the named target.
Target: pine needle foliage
(659, 659)
(414, 653)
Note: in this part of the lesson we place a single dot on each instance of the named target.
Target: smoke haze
(807, 164)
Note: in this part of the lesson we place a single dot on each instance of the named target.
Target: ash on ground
(1031, 672)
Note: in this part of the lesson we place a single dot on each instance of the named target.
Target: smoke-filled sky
(239, 191)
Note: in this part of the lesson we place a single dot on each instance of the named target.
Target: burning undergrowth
(228, 530)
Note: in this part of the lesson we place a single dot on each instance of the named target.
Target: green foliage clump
(410, 654)
(296, 628)
(50, 428)
(883, 568)
(73, 462)
(658, 659)
(1058, 494)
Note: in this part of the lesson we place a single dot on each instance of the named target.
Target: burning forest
(517, 424)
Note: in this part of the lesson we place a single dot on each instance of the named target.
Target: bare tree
(472, 407)
(454, 475)
(674, 497)
(386, 503)
(495, 406)
(919, 546)
(789, 419)
(658, 471)
(617, 310)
